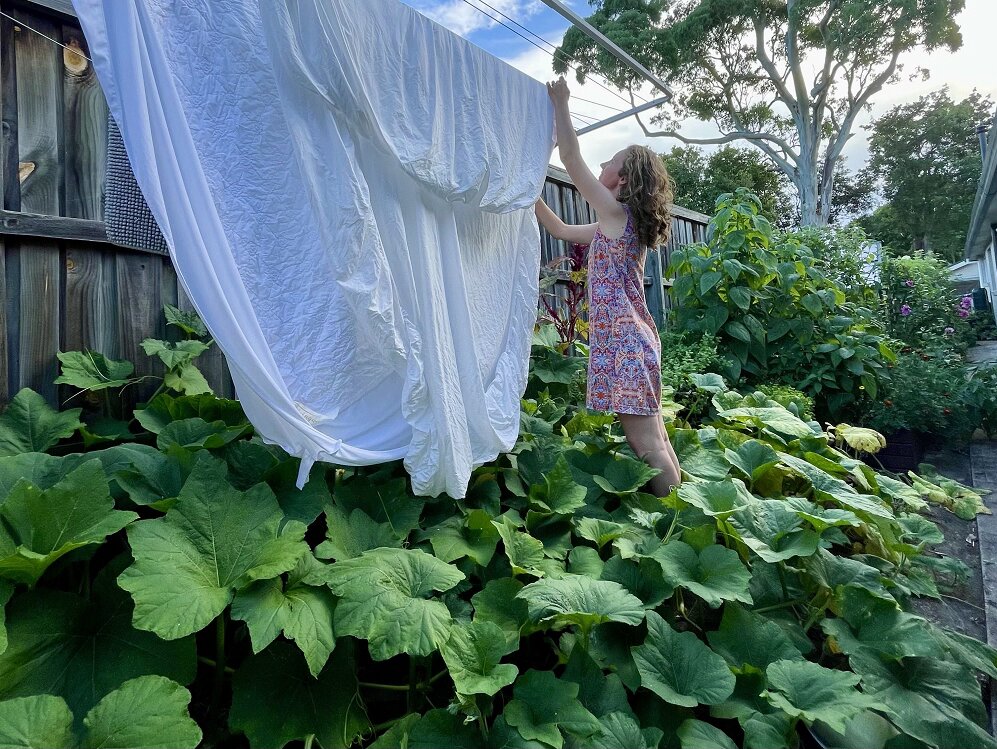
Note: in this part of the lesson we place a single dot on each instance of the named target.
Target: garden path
(983, 461)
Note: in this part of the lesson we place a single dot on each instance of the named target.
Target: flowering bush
(565, 307)
(921, 307)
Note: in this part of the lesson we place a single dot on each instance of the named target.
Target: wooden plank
(53, 227)
(39, 116)
(39, 299)
(85, 130)
(140, 315)
(65, 7)
(9, 183)
(91, 301)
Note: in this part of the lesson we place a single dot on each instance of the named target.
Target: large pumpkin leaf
(697, 734)
(498, 602)
(599, 693)
(871, 623)
(544, 706)
(704, 461)
(774, 532)
(277, 683)
(747, 638)
(166, 408)
(472, 654)
(716, 574)
(39, 526)
(41, 720)
(558, 493)
(302, 608)
(30, 425)
(717, 498)
(195, 433)
(386, 600)
(433, 730)
(581, 601)
(350, 535)
(819, 517)
(61, 644)
(212, 542)
(625, 475)
(776, 420)
(149, 712)
(753, 458)
(524, 552)
(384, 502)
(680, 668)
(811, 692)
(471, 536)
(642, 577)
(834, 572)
(931, 700)
(89, 370)
(622, 731)
(828, 488)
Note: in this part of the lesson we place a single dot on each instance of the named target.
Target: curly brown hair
(648, 192)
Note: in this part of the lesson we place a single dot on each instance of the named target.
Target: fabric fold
(346, 191)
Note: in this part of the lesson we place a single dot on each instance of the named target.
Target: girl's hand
(558, 91)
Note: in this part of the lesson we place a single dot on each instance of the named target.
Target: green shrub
(680, 358)
(843, 256)
(790, 398)
(776, 315)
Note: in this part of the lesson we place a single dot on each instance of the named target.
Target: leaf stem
(385, 725)
(308, 740)
(211, 662)
(671, 528)
(388, 687)
(216, 692)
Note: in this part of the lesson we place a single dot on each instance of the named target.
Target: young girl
(632, 200)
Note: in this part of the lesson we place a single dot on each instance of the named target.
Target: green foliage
(845, 257)
(776, 316)
(181, 589)
(927, 156)
(920, 305)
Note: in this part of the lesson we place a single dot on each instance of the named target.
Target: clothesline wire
(74, 50)
(553, 54)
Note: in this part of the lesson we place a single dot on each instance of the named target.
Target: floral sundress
(624, 371)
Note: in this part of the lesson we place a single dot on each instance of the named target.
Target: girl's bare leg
(647, 438)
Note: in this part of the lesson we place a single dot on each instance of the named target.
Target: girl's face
(610, 176)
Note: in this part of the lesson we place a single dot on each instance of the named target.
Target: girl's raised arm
(577, 233)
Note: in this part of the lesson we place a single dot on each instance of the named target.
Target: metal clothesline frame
(614, 49)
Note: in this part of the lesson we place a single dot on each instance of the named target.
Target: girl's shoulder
(617, 227)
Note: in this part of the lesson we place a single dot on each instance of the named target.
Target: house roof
(984, 215)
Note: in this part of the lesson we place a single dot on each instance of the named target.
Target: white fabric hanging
(346, 189)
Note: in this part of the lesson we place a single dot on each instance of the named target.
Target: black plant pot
(903, 452)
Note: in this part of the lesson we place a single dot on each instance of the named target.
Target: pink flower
(909, 282)
(963, 312)
(966, 302)
(949, 331)
(905, 310)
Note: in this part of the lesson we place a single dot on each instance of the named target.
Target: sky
(968, 68)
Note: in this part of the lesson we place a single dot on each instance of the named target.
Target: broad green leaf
(385, 502)
(774, 532)
(471, 536)
(931, 700)
(302, 608)
(819, 517)
(964, 649)
(718, 499)
(473, 654)
(277, 683)
(89, 370)
(174, 354)
(61, 644)
(553, 531)
(187, 380)
(249, 462)
(524, 552)
(777, 420)
(544, 706)
(599, 531)
(680, 668)
(187, 320)
(559, 493)
(599, 694)
(195, 433)
(6, 591)
(642, 577)
(870, 623)
(304, 504)
(386, 600)
(103, 429)
(166, 408)
(584, 560)
(212, 542)
(38, 721)
(498, 602)
(696, 734)
(753, 458)
(582, 601)
(716, 574)
(830, 489)
(621, 731)
(39, 469)
(747, 638)
(149, 712)
(625, 476)
(704, 462)
(432, 730)
(39, 526)
(811, 692)
(153, 476)
(350, 536)
(834, 572)
(30, 425)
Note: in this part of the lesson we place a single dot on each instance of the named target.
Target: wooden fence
(63, 286)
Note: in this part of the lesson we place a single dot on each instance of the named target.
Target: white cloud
(463, 19)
